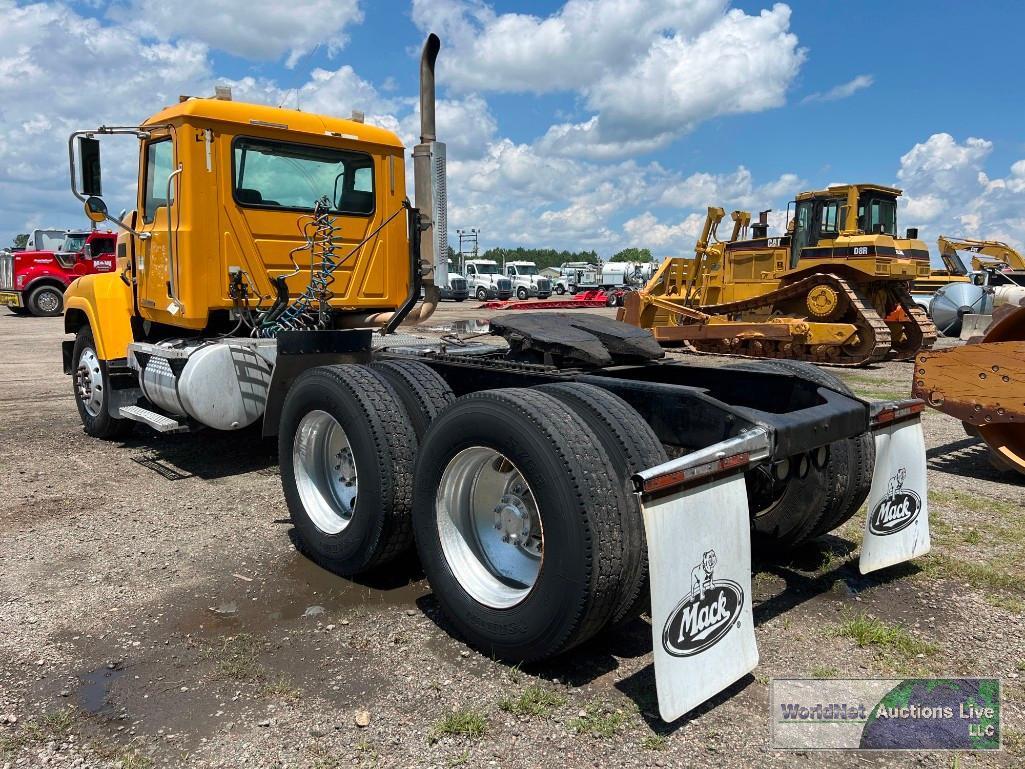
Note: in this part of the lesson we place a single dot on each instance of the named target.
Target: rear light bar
(733, 454)
(888, 413)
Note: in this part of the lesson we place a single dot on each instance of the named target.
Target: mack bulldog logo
(706, 614)
(897, 510)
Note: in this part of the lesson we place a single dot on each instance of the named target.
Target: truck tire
(46, 302)
(420, 388)
(827, 496)
(344, 419)
(522, 294)
(90, 384)
(851, 461)
(560, 289)
(19, 310)
(482, 294)
(517, 522)
(632, 446)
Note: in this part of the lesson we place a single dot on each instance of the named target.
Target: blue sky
(589, 126)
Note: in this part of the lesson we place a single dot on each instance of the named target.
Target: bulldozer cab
(821, 217)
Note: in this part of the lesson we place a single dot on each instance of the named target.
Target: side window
(511, 271)
(471, 269)
(830, 217)
(363, 180)
(102, 246)
(159, 159)
(282, 175)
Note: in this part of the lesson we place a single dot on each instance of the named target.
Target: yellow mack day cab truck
(270, 258)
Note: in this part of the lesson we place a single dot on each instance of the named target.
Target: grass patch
(961, 501)
(1006, 602)
(655, 742)
(133, 759)
(973, 573)
(867, 631)
(461, 723)
(51, 726)
(280, 689)
(820, 671)
(461, 760)
(238, 658)
(535, 701)
(599, 720)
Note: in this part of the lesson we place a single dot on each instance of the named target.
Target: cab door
(158, 211)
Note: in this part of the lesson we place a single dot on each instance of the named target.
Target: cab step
(159, 422)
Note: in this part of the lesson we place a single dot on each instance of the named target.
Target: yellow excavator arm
(994, 249)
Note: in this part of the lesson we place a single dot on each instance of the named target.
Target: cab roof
(243, 114)
(838, 190)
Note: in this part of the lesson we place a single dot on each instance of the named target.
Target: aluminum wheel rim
(48, 301)
(89, 382)
(490, 527)
(325, 472)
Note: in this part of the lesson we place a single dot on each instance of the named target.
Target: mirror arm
(138, 132)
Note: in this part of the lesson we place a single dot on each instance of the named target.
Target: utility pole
(467, 246)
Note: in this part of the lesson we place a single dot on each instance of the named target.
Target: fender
(104, 302)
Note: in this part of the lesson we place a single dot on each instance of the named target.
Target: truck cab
(527, 281)
(456, 290)
(484, 280)
(34, 280)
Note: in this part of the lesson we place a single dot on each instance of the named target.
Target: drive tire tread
(423, 391)
(632, 446)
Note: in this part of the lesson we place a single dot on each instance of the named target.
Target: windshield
(73, 243)
(487, 269)
(528, 269)
(881, 215)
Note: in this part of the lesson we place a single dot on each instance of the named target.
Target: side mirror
(87, 251)
(89, 157)
(95, 209)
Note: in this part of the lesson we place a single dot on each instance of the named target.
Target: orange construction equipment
(983, 384)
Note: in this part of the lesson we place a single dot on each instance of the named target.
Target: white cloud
(262, 29)
(729, 190)
(648, 72)
(571, 49)
(949, 191)
(841, 91)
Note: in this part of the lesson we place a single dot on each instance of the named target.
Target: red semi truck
(33, 280)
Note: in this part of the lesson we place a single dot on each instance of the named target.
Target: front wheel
(482, 294)
(91, 385)
(560, 290)
(46, 302)
(522, 294)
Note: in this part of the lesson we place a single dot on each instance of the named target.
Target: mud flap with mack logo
(699, 557)
(897, 524)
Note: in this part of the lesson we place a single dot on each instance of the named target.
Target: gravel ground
(153, 611)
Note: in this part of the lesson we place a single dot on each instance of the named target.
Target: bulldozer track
(921, 321)
(875, 334)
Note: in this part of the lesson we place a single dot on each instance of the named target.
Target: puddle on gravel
(296, 589)
(94, 692)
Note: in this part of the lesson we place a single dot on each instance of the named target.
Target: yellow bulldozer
(833, 289)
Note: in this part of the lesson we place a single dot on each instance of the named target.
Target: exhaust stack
(430, 200)
(429, 178)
